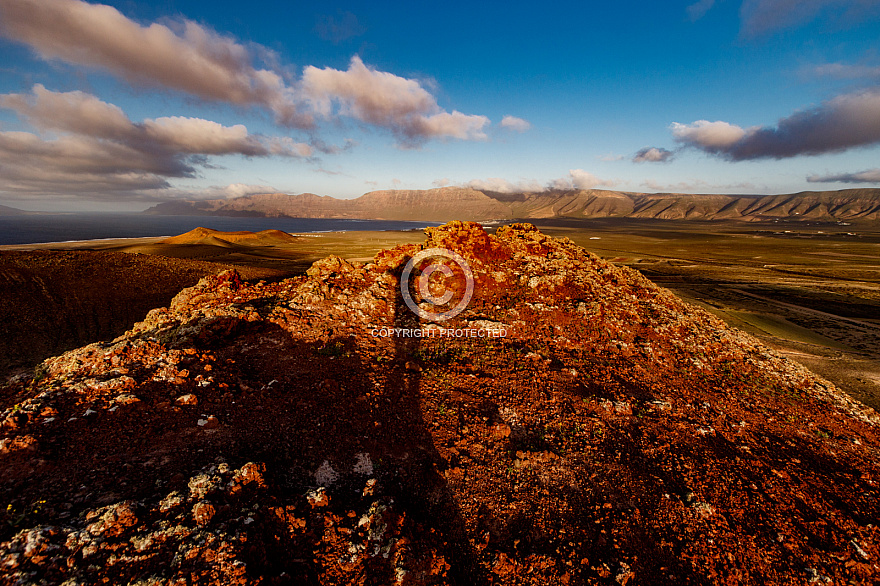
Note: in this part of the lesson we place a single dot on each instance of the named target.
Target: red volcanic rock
(11, 444)
(203, 512)
(328, 266)
(579, 425)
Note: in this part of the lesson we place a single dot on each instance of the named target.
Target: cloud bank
(100, 151)
(576, 179)
(869, 176)
(844, 122)
(230, 191)
(504, 186)
(191, 58)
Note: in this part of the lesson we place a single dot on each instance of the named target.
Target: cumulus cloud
(844, 122)
(760, 17)
(581, 179)
(71, 165)
(84, 114)
(515, 124)
(191, 58)
(698, 10)
(99, 149)
(709, 136)
(441, 182)
(384, 99)
(869, 176)
(653, 155)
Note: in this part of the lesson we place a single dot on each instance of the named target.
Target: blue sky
(120, 105)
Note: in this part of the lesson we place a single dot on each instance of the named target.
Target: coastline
(96, 244)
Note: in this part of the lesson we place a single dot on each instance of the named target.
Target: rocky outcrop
(300, 432)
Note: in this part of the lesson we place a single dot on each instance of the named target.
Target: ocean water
(32, 229)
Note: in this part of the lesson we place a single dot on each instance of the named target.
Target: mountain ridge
(10, 211)
(449, 203)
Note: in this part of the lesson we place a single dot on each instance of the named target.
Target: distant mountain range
(8, 211)
(448, 203)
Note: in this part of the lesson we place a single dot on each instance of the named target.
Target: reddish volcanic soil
(260, 434)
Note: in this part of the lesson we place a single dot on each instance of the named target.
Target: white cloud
(84, 114)
(709, 136)
(446, 125)
(441, 182)
(98, 150)
(576, 179)
(230, 191)
(581, 179)
(81, 165)
(500, 185)
(515, 124)
(191, 58)
(234, 190)
(384, 99)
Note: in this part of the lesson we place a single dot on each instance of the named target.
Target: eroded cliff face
(445, 203)
(54, 301)
(271, 434)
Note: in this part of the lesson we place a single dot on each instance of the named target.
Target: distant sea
(33, 229)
